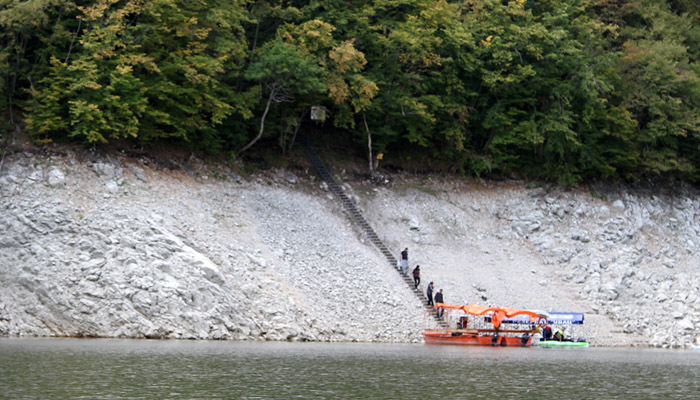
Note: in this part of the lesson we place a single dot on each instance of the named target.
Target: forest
(566, 91)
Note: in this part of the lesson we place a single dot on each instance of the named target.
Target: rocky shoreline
(112, 246)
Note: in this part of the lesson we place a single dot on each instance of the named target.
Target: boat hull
(469, 339)
(555, 343)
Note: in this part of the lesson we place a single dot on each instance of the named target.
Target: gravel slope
(113, 247)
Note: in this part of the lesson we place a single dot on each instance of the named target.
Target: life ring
(542, 322)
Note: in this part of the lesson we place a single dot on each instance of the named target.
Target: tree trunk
(369, 143)
(262, 124)
(70, 48)
(294, 137)
(255, 38)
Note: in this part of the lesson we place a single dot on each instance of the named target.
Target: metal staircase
(357, 217)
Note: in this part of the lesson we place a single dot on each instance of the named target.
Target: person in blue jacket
(429, 293)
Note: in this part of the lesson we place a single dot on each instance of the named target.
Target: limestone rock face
(94, 252)
(89, 250)
(628, 259)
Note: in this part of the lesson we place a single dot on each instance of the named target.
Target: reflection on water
(148, 369)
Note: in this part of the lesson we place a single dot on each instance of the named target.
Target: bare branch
(279, 93)
(70, 48)
(262, 126)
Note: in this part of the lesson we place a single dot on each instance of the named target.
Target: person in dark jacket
(439, 299)
(547, 333)
(416, 276)
(429, 293)
(404, 261)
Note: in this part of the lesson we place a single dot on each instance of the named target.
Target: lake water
(152, 369)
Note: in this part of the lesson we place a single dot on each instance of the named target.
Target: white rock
(258, 260)
(618, 204)
(686, 325)
(112, 187)
(290, 177)
(56, 177)
(139, 173)
(106, 169)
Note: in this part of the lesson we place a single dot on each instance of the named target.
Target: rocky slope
(116, 247)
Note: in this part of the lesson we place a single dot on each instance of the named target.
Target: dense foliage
(562, 90)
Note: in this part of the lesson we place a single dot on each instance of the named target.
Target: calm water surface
(149, 369)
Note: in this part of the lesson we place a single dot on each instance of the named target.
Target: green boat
(556, 343)
(558, 320)
(568, 323)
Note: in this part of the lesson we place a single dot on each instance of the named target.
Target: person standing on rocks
(416, 276)
(404, 261)
(439, 299)
(429, 293)
(547, 333)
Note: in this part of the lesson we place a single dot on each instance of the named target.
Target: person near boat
(429, 293)
(439, 299)
(463, 322)
(559, 335)
(547, 333)
(563, 329)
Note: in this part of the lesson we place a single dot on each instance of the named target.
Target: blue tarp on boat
(554, 318)
(565, 318)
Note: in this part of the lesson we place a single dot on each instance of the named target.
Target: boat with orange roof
(478, 325)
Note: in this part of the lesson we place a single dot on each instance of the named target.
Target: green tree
(29, 31)
(145, 70)
(283, 70)
(399, 41)
(201, 52)
(660, 87)
(304, 63)
(545, 82)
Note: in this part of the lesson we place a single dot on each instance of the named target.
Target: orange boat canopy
(499, 313)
